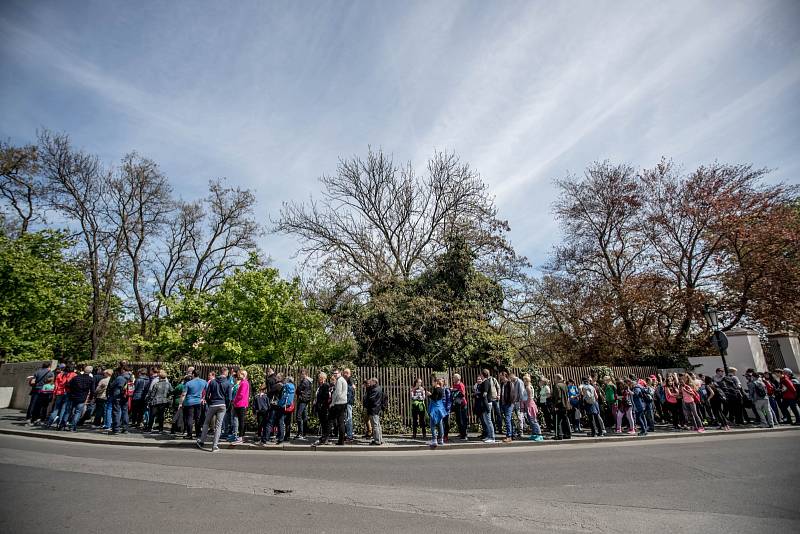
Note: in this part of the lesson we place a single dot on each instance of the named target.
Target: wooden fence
(397, 381)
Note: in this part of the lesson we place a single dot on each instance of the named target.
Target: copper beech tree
(644, 249)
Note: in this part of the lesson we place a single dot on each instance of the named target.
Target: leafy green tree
(44, 298)
(253, 317)
(444, 317)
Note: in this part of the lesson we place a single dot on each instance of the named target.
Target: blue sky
(270, 94)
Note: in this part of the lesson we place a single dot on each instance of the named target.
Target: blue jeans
(508, 413)
(486, 420)
(282, 424)
(109, 409)
(641, 420)
(58, 410)
(77, 412)
(437, 427)
(119, 414)
(274, 413)
(348, 422)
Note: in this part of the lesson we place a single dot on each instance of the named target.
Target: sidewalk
(12, 422)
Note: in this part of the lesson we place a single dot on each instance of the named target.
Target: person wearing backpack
(575, 403)
(758, 395)
(496, 412)
(716, 400)
(672, 401)
(639, 405)
(591, 406)
(285, 409)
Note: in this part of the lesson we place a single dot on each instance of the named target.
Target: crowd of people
(119, 400)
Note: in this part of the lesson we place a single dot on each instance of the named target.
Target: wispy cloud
(271, 94)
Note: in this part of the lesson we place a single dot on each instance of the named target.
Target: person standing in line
(436, 411)
(458, 394)
(365, 419)
(139, 399)
(374, 406)
(544, 402)
(530, 410)
(716, 400)
(418, 396)
(625, 405)
(508, 399)
(191, 403)
(672, 401)
(303, 400)
(275, 412)
(100, 399)
(80, 390)
(60, 406)
(591, 406)
(497, 414)
(610, 392)
(241, 401)
(639, 404)
(561, 406)
(119, 400)
(351, 399)
(176, 397)
(338, 410)
(43, 400)
(481, 408)
(789, 389)
(36, 382)
(322, 407)
(217, 397)
(690, 399)
(447, 402)
(766, 377)
(158, 400)
(286, 406)
(574, 405)
(758, 395)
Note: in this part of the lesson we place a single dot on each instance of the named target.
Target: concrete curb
(181, 443)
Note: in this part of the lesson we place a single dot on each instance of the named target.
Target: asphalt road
(729, 483)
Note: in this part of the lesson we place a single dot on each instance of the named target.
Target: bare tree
(141, 201)
(172, 266)
(376, 220)
(78, 188)
(20, 184)
(229, 231)
(601, 215)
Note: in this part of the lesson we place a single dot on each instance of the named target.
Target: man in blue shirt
(192, 398)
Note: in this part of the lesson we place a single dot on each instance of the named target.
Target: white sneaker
(489, 440)
(432, 443)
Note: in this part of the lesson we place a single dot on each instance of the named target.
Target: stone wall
(15, 375)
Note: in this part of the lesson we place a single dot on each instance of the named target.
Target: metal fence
(398, 381)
